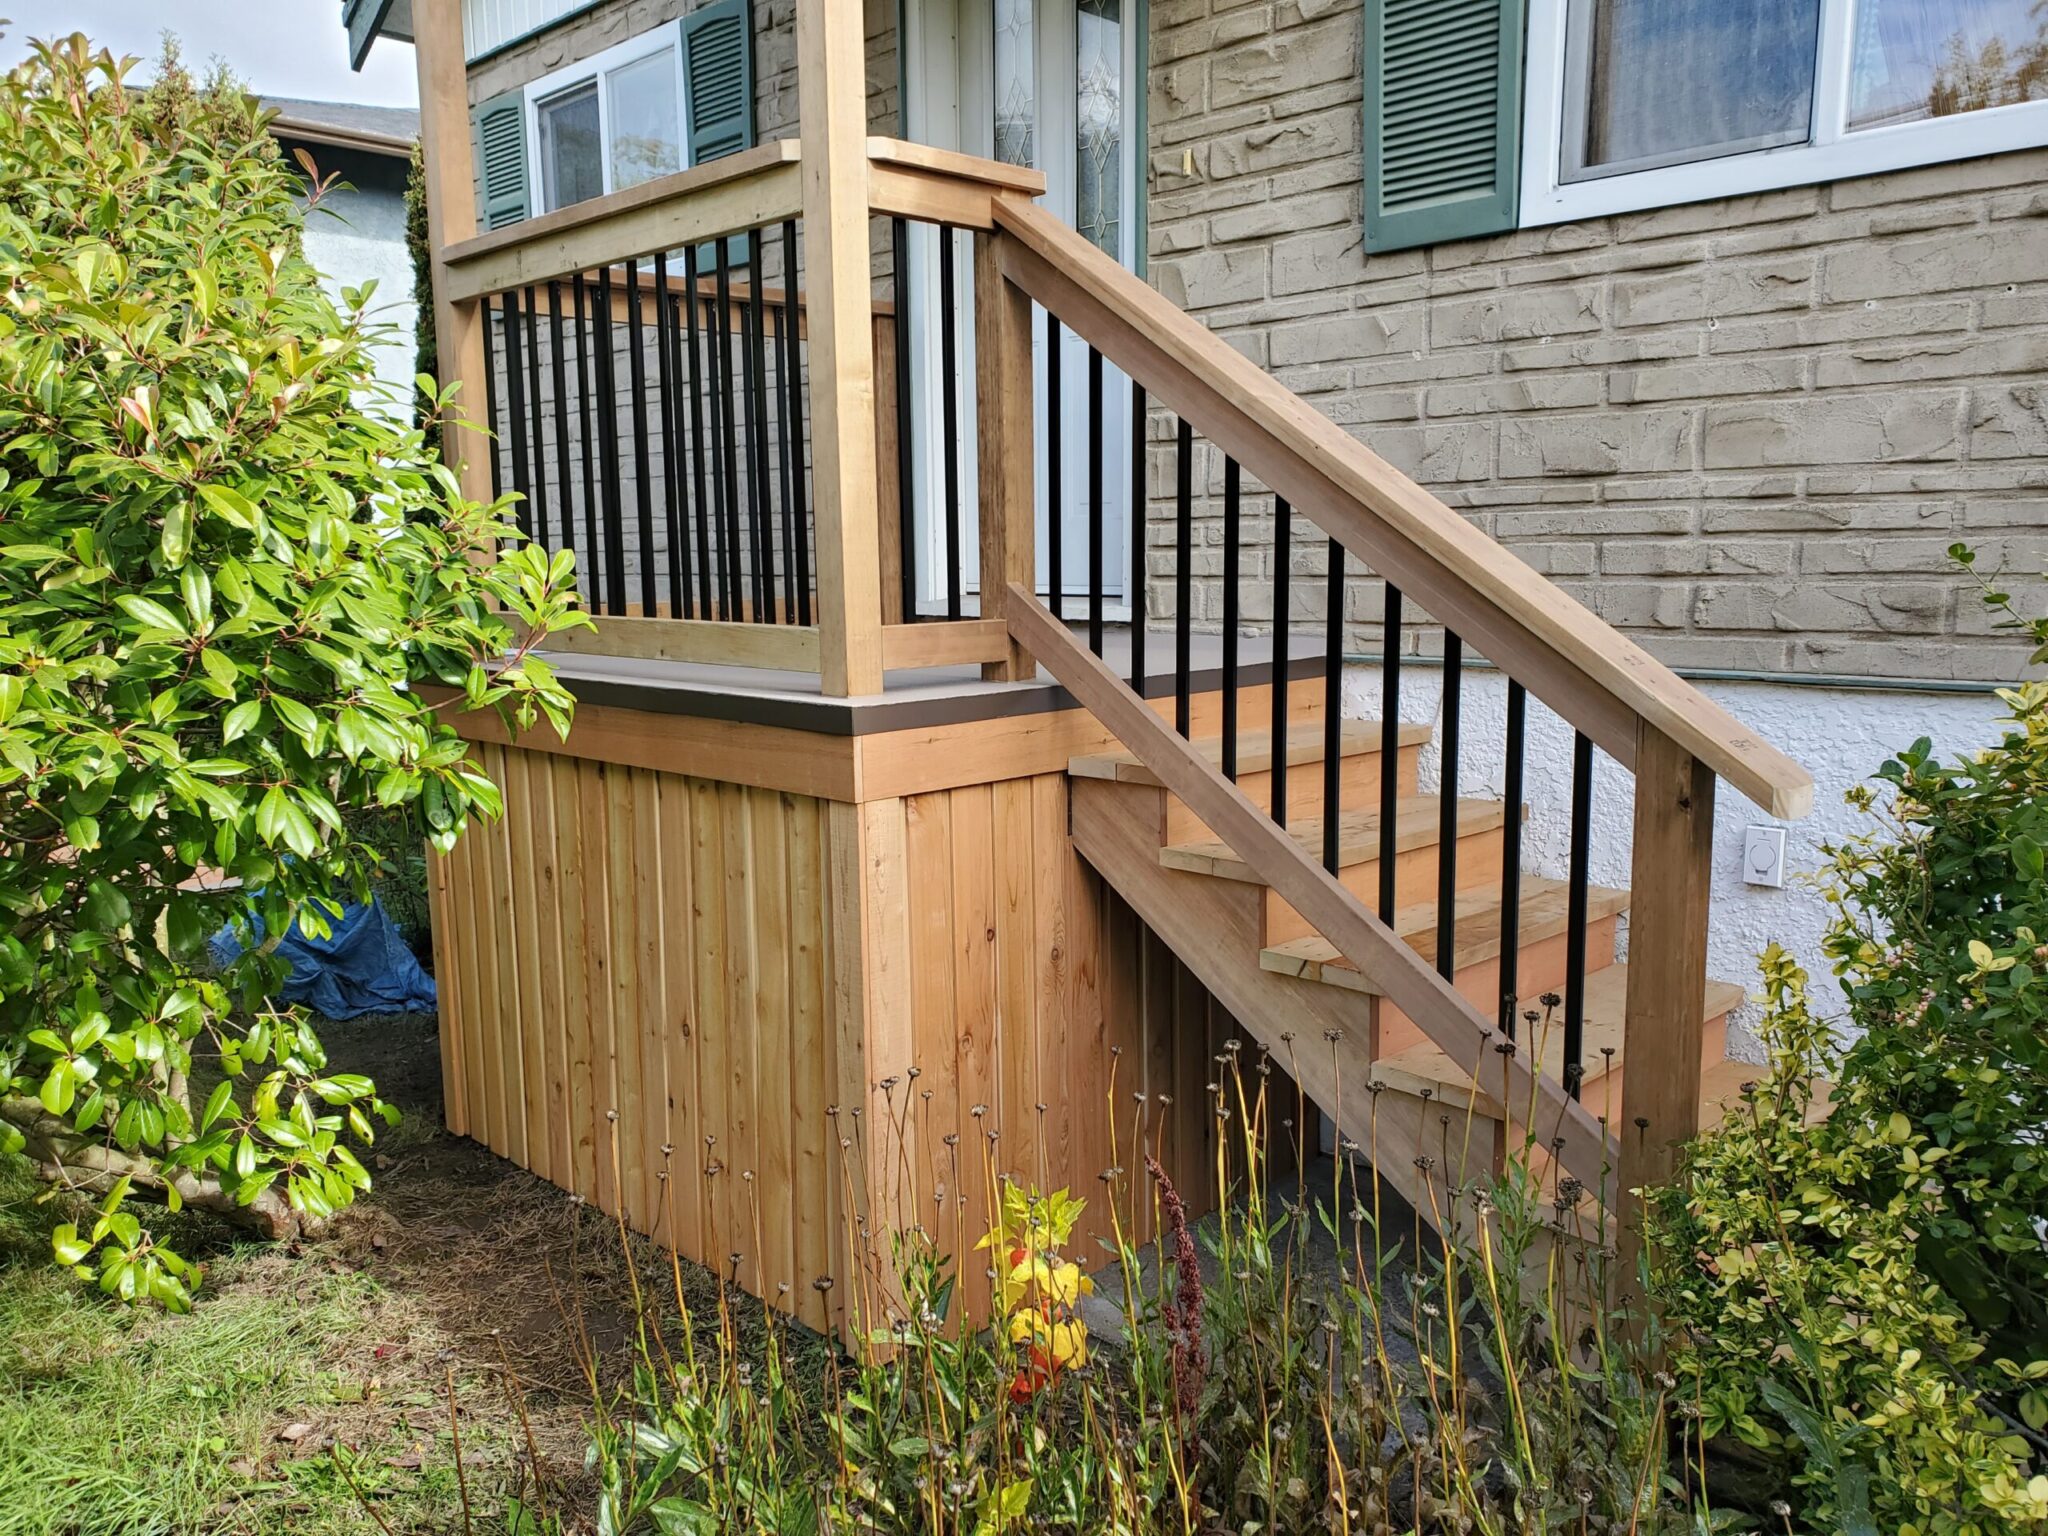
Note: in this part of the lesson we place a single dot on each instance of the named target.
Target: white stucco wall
(356, 235)
(1840, 735)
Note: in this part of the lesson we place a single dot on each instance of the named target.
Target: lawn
(309, 1368)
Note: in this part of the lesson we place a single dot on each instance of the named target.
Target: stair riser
(1541, 969)
(1359, 786)
(1254, 708)
(1415, 877)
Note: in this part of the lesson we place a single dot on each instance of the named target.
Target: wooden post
(450, 172)
(1670, 883)
(1003, 408)
(832, 115)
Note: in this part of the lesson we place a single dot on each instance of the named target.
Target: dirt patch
(521, 1293)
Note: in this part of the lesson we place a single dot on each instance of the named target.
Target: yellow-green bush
(1865, 1301)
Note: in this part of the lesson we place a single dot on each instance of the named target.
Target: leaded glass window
(1016, 93)
(1099, 124)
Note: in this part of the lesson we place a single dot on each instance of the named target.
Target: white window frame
(665, 38)
(1833, 154)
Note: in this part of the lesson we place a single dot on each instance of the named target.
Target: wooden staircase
(1426, 1121)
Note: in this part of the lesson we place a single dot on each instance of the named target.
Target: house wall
(775, 111)
(356, 236)
(1745, 431)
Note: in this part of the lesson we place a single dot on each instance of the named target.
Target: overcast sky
(277, 47)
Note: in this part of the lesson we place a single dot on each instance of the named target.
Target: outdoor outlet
(1763, 857)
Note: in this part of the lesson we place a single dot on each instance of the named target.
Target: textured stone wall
(1745, 431)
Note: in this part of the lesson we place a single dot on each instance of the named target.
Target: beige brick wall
(1745, 431)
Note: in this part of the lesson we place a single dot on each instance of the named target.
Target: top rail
(1599, 680)
(757, 186)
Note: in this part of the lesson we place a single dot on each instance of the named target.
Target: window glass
(646, 136)
(1016, 89)
(1916, 59)
(1660, 82)
(571, 166)
(1099, 111)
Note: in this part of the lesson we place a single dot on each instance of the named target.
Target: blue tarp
(363, 966)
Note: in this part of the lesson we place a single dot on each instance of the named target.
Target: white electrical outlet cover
(1763, 857)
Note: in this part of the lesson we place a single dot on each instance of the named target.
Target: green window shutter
(718, 75)
(1443, 116)
(501, 160)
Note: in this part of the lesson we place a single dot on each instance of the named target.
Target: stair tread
(1254, 751)
(1358, 838)
(1543, 905)
(1426, 1066)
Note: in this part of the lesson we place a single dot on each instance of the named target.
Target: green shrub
(220, 580)
(1866, 1300)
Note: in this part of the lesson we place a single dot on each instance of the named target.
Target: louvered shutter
(718, 75)
(1443, 112)
(501, 160)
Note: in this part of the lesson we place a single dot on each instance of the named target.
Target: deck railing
(645, 364)
(1327, 491)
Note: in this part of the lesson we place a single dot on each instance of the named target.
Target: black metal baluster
(558, 374)
(1447, 812)
(949, 395)
(607, 406)
(538, 413)
(515, 399)
(1055, 489)
(493, 438)
(584, 389)
(1183, 573)
(728, 443)
(906, 421)
(643, 462)
(1282, 537)
(1511, 864)
(1096, 425)
(778, 397)
(760, 485)
(1333, 702)
(1575, 913)
(671, 481)
(1232, 510)
(700, 503)
(793, 384)
(1134, 530)
(1390, 745)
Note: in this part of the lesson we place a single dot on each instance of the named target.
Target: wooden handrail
(757, 186)
(1589, 673)
(940, 186)
(1405, 977)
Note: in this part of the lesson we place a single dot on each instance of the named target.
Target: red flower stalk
(1183, 1314)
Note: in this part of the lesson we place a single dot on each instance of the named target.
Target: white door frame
(946, 103)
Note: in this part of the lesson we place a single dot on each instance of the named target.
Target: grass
(119, 1422)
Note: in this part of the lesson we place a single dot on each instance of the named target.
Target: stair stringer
(1213, 926)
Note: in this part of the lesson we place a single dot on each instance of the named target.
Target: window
(1662, 82)
(610, 122)
(1646, 103)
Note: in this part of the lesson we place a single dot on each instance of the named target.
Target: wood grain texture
(832, 104)
(1672, 881)
(723, 966)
